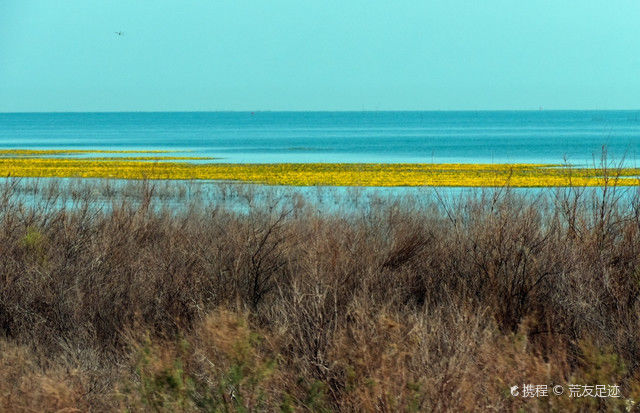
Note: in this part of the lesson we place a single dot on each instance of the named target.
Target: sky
(203, 55)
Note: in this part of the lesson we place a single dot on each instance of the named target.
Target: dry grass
(127, 303)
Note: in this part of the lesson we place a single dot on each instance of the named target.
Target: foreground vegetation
(111, 302)
(63, 164)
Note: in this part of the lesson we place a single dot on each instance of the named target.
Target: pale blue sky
(318, 55)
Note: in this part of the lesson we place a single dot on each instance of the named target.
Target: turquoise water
(484, 137)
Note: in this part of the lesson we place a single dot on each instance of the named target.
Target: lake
(267, 137)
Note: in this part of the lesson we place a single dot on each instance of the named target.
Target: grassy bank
(141, 306)
(63, 164)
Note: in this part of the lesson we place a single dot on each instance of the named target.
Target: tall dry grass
(115, 299)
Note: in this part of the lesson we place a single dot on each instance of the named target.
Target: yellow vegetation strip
(150, 158)
(305, 174)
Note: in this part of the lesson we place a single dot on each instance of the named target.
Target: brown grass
(114, 302)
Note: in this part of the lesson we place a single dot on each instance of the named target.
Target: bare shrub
(144, 296)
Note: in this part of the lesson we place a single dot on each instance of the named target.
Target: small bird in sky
(119, 33)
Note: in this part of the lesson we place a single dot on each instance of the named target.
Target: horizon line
(317, 111)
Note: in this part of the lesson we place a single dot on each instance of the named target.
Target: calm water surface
(483, 137)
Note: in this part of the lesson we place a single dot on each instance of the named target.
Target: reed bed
(123, 300)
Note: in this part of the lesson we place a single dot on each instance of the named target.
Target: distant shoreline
(249, 111)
